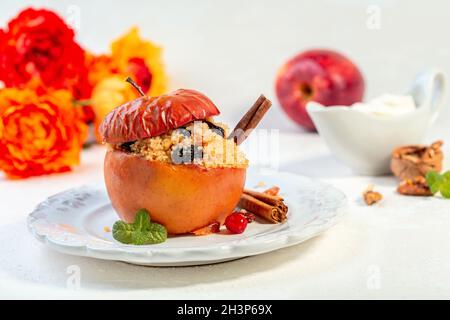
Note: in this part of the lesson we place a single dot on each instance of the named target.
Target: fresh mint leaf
(123, 232)
(157, 233)
(141, 220)
(434, 181)
(140, 237)
(439, 183)
(446, 175)
(445, 188)
(142, 231)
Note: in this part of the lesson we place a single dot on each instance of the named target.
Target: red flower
(141, 72)
(39, 44)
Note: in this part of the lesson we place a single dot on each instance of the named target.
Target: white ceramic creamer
(364, 140)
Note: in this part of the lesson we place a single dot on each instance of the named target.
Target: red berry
(249, 216)
(236, 222)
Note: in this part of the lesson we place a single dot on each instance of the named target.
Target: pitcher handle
(428, 91)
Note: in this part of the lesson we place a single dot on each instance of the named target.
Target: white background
(231, 50)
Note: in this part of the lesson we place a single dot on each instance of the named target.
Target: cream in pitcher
(364, 135)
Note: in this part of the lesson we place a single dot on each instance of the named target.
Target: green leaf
(445, 188)
(446, 175)
(432, 177)
(141, 220)
(157, 233)
(434, 181)
(141, 231)
(123, 232)
(439, 183)
(139, 237)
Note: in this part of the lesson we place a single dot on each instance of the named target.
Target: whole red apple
(323, 76)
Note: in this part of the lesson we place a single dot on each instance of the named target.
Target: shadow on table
(28, 260)
(327, 166)
(322, 166)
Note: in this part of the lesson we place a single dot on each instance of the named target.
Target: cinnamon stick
(271, 208)
(250, 120)
(264, 196)
(272, 191)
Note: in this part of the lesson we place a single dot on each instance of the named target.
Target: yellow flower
(131, 46)
(108, 94)
(130, 56)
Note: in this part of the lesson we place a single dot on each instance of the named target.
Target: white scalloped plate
(74, 222)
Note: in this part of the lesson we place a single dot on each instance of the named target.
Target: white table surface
(397, 249)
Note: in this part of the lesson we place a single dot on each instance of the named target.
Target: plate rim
(154, 255)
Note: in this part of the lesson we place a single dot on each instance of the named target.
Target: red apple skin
(323, 76)
(183, 198)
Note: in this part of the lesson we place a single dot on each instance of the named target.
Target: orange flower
(39, 134)
(100, 67)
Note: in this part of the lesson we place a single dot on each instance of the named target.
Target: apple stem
(135, 85)
(306, 90)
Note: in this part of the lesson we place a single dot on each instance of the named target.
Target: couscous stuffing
(201, 142)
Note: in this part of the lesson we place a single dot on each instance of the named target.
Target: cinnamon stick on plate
(250, 120)
(269, 207)
(272, 191)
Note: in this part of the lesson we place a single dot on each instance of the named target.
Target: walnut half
(371, 197)
(409, 162)
(414, 187)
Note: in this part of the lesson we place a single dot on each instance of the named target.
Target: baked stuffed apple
(168, 155)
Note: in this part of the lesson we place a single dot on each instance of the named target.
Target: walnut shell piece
(371, 197)
(409, 162)
(414, 187)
